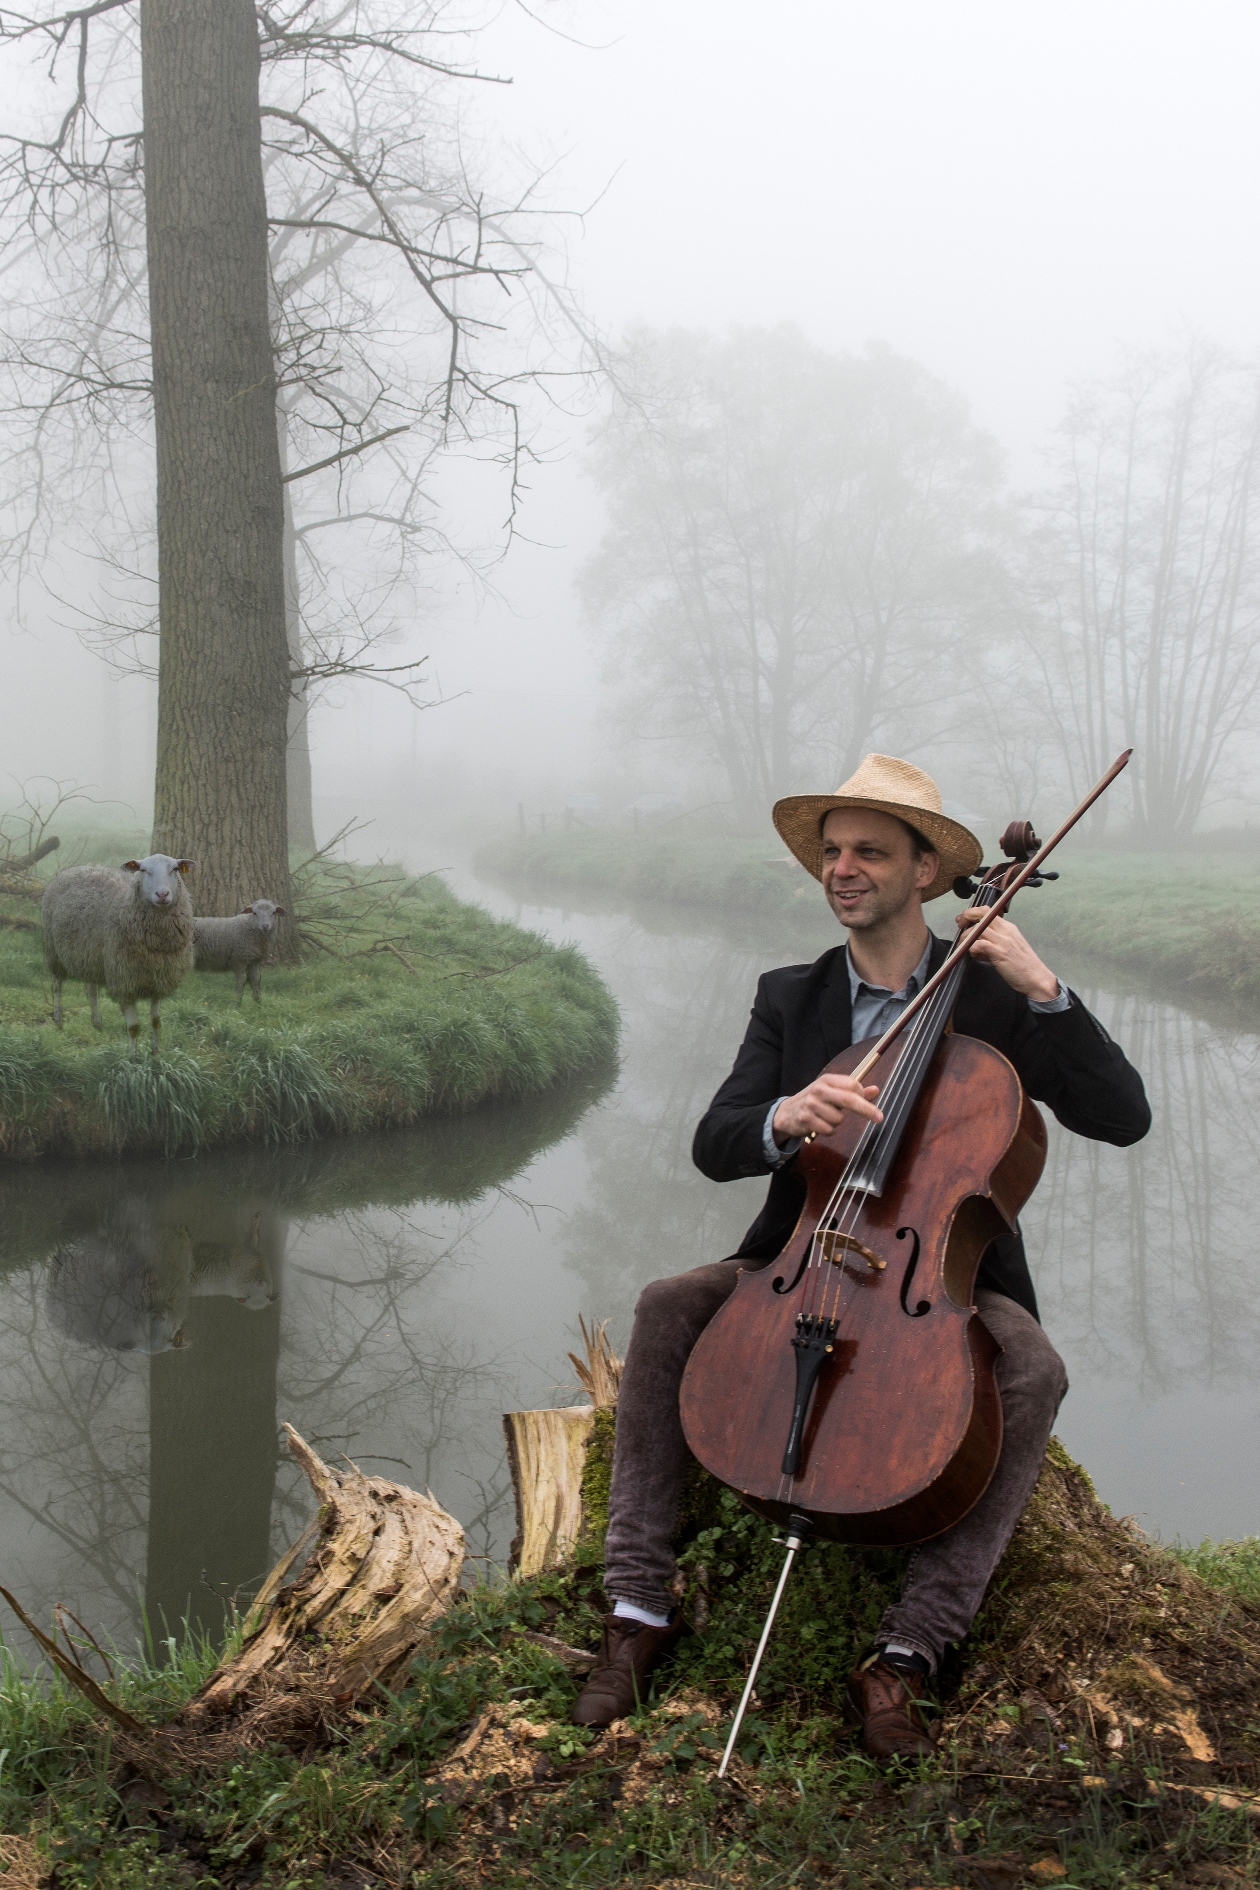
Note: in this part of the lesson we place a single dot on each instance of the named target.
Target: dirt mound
(1098, 1635)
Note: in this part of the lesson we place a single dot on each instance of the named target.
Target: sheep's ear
(182, 866)
(281, 913)
(131, 866)
(247, 912)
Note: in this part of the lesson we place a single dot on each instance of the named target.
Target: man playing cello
(881, 847)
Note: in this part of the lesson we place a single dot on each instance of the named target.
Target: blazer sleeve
(1066, 1060)
(727, 1144)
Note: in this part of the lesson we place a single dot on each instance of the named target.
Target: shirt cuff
(775, 1155)
(1061, 1001)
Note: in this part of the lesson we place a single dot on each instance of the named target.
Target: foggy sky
(1004, 194)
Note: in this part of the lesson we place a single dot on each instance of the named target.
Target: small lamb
(239, 944)
(129, 928)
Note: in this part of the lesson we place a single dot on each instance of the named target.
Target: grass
(1229, 1565)
(409, 1004)
(468, 1770)
(1190, 920)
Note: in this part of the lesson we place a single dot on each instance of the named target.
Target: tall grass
(466, 1010)
(1234, 1566)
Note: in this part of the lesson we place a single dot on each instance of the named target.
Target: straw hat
(891, 787)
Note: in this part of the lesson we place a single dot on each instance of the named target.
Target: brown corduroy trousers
(947, 1577)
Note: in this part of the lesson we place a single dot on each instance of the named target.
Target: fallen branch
(32, 858)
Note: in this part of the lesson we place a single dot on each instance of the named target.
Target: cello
(847, 1389)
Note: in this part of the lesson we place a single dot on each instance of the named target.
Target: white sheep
(129, 928)
(239, 944)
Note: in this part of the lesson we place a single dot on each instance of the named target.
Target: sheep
(124, 1286)
(239, 944)
(129, 928)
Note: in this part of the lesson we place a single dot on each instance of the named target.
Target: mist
(1016, 203)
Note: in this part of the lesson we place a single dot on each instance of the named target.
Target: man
(881, 846)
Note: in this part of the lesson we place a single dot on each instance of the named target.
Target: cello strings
(899, 1097)
(900, 1100)
(900, 1094)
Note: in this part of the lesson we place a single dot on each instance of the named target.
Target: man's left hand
(1012, 957)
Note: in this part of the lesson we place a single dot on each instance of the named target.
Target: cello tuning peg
(965, 888)
(1045, 875)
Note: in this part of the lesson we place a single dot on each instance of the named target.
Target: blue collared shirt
(873, 1008)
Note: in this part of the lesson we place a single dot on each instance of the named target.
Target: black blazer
(801, 1019)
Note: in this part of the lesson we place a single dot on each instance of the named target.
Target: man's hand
(1012, 957)
(818, 1109)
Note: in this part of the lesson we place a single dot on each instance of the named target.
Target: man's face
(870, 869)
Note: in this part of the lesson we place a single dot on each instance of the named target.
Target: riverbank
(1099, 1734)
(1189, 921)
(409, 1003)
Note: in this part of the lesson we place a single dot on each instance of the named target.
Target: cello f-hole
(924, 1305)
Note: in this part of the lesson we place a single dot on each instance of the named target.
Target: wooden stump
(547, 1458)
(387, 1561)
(381, 1563)
(547, 1455)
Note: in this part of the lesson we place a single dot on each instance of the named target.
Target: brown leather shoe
(894, 1708)
(628, 1653)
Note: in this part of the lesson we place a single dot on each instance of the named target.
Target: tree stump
(386, 1562)
(547, 1458)
(377, 1565)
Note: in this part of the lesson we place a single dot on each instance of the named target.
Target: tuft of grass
(461, 1010)
(1231, 1566)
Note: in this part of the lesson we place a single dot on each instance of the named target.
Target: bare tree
(1148, 576)
(404, 319)
(798, 544)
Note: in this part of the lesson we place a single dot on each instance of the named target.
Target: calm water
(392, 1296)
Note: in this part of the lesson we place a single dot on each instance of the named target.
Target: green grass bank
(1101, 1670)
(1188, 920)
(408, 1003)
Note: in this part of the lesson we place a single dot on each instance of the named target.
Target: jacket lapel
(835, 1008)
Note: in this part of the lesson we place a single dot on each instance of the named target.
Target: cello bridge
(834, 1246)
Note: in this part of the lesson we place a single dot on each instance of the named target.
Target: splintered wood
(385, 1562)
(547, 1457)
(382, 1562)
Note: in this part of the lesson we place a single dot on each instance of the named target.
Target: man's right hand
(818, 1109)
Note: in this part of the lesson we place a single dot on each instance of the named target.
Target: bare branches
(412, 311)
(347, 452)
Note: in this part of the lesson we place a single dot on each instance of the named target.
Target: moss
(597, 1481)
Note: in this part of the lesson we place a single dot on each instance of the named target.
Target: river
(391, 1296)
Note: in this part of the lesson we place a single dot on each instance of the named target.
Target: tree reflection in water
(156, 1320)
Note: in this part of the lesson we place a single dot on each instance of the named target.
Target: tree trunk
(223, 682)
(298, 752)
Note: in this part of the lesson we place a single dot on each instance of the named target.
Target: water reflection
(157, 1319)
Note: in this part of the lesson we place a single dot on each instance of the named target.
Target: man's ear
(929, 867)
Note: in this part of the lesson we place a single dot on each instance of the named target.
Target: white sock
(631, 1611)
(912, 1653)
